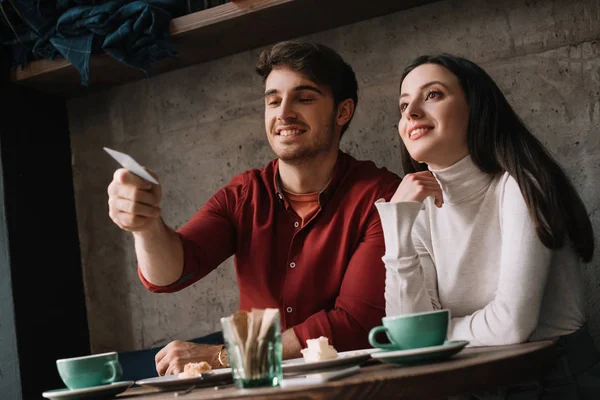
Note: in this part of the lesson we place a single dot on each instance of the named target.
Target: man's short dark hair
(315, 61)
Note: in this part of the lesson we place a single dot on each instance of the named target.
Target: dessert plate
(344, 359)
(169, 382)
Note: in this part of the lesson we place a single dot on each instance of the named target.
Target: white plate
(421, 355)
(173, 381)
(344, 358)
(319, 378)
(292, 366)
(111, 389)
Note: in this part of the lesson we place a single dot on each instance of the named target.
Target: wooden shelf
(217, 32)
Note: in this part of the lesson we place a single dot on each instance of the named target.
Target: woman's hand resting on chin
(417, 187)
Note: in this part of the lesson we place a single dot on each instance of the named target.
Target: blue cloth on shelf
(133, 32)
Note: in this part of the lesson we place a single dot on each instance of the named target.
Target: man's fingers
(126, 177)
(138, 195)
(160, 360)
(162, 352)
(174, 369)
(162, 366)
(136, 209)
(168, 359)
(130, 222)
(134, 203)
(113, 188)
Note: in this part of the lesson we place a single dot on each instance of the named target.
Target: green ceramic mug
(87, 371)
(412, 331)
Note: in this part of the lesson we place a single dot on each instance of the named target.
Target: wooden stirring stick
(240, 332)
(265, 336)
(252, 343)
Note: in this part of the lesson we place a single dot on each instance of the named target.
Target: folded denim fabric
(135, 33)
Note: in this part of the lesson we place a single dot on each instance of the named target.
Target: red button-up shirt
(326, 277)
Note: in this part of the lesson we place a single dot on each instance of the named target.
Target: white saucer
(174, 382)
(111, 389)
(420, 355)
(344, 358)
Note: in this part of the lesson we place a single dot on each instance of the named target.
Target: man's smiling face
(299, 117)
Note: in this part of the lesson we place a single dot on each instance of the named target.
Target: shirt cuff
(397, 220)
(187, 275)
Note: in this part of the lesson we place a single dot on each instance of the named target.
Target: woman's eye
(432, 95)
(403, 107)
(272, 103)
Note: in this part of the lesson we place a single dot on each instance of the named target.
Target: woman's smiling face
(434, 116)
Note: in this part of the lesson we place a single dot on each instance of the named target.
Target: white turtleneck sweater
(480, 257)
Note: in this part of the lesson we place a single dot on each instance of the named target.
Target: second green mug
(412, 331)
(88, 371)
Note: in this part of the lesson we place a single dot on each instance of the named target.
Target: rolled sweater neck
(462, 181)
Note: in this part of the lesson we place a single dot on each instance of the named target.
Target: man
(304, 229)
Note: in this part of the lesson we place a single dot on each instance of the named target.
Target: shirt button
(289, 309)
(292, 265)
(296, 224)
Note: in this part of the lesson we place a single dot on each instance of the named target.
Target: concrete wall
(199, 126)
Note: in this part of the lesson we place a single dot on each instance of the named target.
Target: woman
(486, 224)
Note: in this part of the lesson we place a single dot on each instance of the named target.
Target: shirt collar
(339, 170)
(462, 180)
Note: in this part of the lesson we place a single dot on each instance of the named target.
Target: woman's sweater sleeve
(410, 282)
(512, 316)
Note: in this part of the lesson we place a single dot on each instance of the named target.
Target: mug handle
(375, 343)
(116, 371)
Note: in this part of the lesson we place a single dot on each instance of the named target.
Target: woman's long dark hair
(499, 141)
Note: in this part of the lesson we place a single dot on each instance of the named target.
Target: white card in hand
(130, 164)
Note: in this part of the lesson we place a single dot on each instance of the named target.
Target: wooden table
(472, 370)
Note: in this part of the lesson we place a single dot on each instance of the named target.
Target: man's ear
(345, 111)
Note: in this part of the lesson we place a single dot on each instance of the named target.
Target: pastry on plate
(195, 369)
(318, 350)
